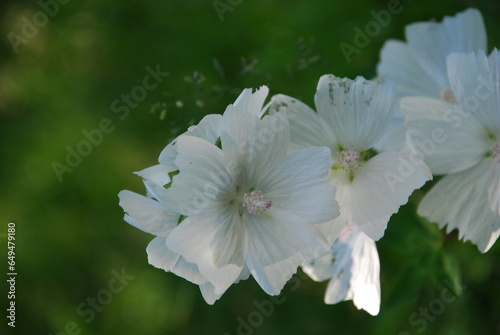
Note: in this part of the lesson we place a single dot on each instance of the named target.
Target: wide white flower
(353, 268)
(418, 66)
(157, 215)
(237, 204)
(248, 205)
(352, 116)
(462, 140)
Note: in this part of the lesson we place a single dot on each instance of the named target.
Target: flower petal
(299, 185)
(147, 214)
(278, 243)
(208, 290)
(378, 189)
(252, 147)
(209, 294)
(251, 102)
(203, 181)
(431, 42)
(306, 127)
(197, 238)
(399, 63)
(208, 129)
(447, 139)
(475, 81)
(464, 201)
(272, 146)
(155, 178)
(357, 110)
(158, 174)
(395, 137)
(230, 243)
(353, 266)
(161, 257)
(331, 229)
(364, 273)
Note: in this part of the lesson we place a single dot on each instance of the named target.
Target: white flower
(247, 208)
(418, 67)
(156, 214)
(248, 205)
(463, 141)
(353, 268)
(352, 115)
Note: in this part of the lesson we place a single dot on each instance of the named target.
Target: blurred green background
(71, 239)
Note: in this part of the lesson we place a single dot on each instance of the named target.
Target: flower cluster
(264, 189)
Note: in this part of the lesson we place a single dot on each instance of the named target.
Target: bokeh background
(71, 239)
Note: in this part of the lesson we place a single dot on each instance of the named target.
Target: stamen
(255, 203)
(349, 159)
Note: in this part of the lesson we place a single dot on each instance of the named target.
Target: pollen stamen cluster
(255, 203)
(349, 159)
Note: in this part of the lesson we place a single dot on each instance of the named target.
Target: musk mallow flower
(248, 205)
(351, 117)
(462, 142)
(237, 204)
(352, 267)
(155, 214)
(418, 66)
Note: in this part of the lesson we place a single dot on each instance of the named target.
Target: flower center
(255, 203)
(495, 150)
(448, 96)
(349, 159)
